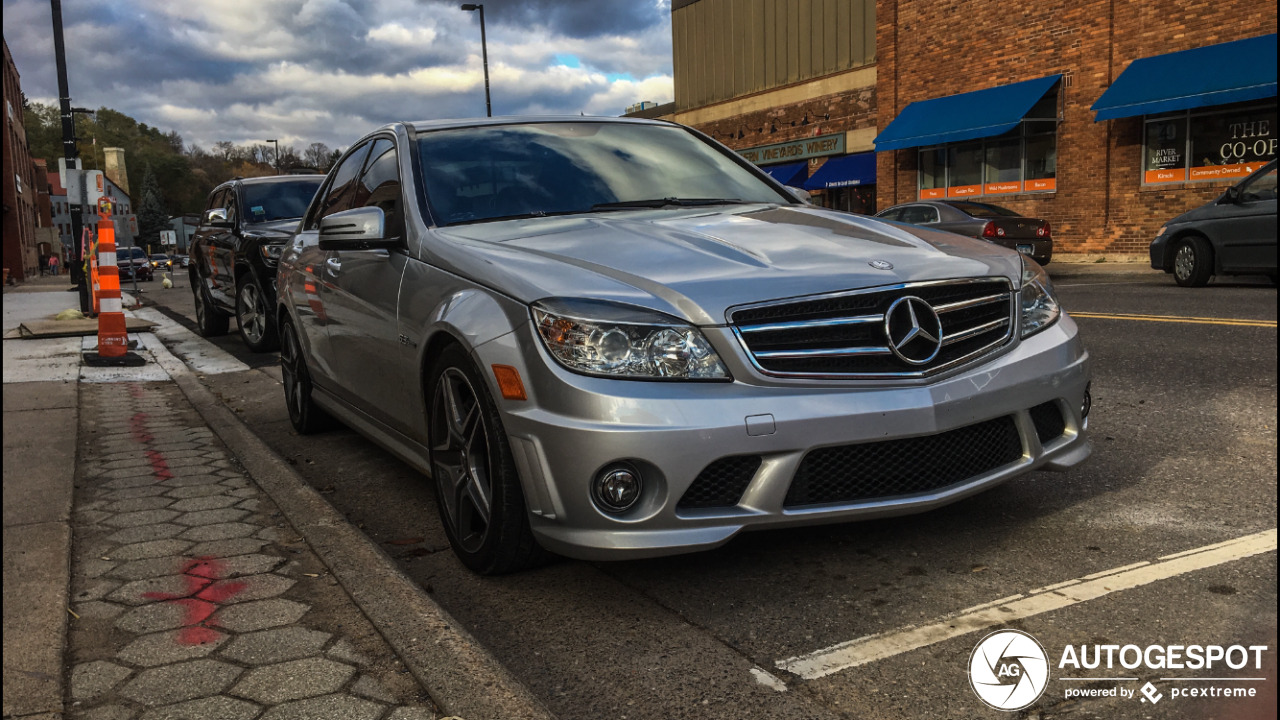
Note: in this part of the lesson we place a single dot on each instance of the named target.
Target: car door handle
(334, 265)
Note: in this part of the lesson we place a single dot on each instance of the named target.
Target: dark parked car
(132, 260)
(234, 253)
(1233, 235)
(616, 338)
(1002, 226)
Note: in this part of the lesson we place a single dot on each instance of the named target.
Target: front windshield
(286, 200)
(485, 173)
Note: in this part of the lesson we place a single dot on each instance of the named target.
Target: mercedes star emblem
(881, 264)
(913, 330)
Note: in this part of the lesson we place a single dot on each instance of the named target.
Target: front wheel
(257, 327)
(477, 488)
(305, 416)
(1193, 262)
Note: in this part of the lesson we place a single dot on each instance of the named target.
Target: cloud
(328, 71)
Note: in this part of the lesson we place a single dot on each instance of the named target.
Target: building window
(1198, 145)
(1024, 159)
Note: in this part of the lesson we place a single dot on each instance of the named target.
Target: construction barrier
(94, 286)
(113, 339)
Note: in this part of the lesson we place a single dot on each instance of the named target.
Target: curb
(462, 678)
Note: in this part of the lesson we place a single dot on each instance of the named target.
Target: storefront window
(1214, 145)
(1022, 160)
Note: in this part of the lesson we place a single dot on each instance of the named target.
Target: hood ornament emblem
(881, 264)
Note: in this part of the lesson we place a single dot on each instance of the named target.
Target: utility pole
(484, 53)
(71, 154)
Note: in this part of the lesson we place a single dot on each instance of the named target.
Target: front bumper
(1157, 251)
(573, 426)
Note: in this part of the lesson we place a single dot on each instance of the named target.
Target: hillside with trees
(184, 174)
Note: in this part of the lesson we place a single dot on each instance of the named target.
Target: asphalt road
(1184, 431)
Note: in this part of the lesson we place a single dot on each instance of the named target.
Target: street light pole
(70, 152)
(277, 142)
(484, 53)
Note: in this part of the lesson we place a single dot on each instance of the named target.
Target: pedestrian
(53, 264)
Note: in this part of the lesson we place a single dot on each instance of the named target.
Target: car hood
(273, 231)
(697, 263)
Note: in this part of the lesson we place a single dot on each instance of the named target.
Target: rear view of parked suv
(234, 252)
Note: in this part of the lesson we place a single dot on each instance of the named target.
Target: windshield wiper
(664, 202)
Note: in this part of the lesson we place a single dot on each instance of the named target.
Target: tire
(306, 417)
(471, 459)
(1193, 262)
(209, 322)
(253, 316)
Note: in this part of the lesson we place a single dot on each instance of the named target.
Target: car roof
(429, 125)
(267, 179)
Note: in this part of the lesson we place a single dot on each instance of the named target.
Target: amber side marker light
(509, 382)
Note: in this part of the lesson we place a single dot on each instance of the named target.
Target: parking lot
(878, 619)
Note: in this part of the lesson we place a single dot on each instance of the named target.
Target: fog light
(617, 488)
(1087, 403)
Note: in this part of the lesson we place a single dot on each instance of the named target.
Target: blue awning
(790, 174)
(967, 116)
(844, 171)
(1204, 76)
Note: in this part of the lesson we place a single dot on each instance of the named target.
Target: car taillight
(1044, 230)
(989, 230)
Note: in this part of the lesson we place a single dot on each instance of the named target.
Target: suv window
(380, 185)
(342, 187)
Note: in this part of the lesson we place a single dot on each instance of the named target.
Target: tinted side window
(215, 200)
(342, 186)
(229, 202)
(917, 215)
(894, 214)
(1260, 187)
(380, 186)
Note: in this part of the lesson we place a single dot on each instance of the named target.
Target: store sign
(818, 146)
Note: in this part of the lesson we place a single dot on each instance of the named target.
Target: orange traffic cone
(113, 338)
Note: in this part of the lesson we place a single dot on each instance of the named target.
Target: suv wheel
(305, 416)
(477, 489)
(1193, 262)
(257, 327)
(209, 321)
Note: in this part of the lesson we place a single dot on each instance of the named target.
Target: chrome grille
(843, 335)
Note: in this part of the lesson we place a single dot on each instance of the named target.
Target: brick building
(839, 76)
(19, 192)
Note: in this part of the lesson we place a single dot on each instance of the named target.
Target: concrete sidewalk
(148, 573)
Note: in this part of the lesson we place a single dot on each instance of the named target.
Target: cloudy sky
(303, 71)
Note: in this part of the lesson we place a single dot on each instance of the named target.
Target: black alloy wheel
(305, 416)
(257, 326)
(477, 488)
(209, 322)
(1193, 262)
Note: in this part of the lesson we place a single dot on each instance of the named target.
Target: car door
(308, 291)
(372, 367)
(1246, 229)
(220, 246)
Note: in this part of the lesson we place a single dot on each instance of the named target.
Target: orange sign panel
(964, 190)
(1163, 176)
(933, 193)
(1220, 172)
(1041, 185)
(998, 188)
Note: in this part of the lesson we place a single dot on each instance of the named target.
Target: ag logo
(1009, 670)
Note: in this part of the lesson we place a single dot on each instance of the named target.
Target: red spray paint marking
(135, 391)
(158, 465)
(138, 425)
(201, 575)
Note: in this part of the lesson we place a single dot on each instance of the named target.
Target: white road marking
(768, 679)
(1055, 597)
(199, 354)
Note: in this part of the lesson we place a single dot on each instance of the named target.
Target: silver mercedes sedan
(614, 338)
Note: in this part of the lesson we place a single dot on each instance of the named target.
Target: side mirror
(361, 228)
(217, 217)
(800, 194)
(1231, 196)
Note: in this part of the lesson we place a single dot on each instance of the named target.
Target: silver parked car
(616, 338)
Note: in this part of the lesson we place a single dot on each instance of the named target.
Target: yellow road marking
(1238, 322)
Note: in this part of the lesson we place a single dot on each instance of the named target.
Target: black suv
(243, 230)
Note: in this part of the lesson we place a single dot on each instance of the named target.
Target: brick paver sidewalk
(192, 597)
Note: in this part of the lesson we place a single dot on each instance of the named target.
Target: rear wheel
(257, 327)
(1193, 262)
(209, 321)
(305, 416)
(477, 488)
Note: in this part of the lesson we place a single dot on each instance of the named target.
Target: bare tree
(224, 149)
(317, 156)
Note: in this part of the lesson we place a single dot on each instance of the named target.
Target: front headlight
(271, 253)
(1039, 307)
(599, 338)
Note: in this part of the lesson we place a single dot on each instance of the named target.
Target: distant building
(122, 206)
(21, 259)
